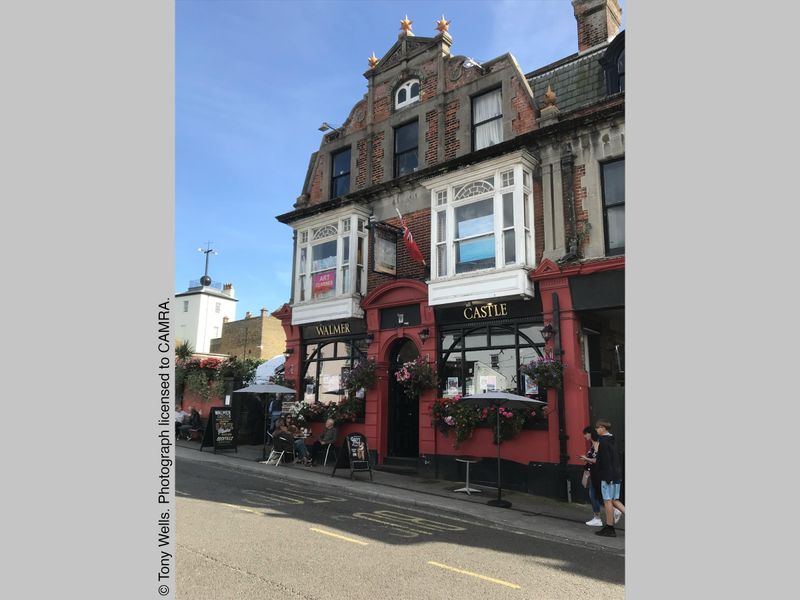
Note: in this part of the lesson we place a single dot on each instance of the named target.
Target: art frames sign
(220, 430)
(323, 284)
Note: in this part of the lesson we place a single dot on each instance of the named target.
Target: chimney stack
(598, 21)
(264, 313)
(247, 315)
(228, 289)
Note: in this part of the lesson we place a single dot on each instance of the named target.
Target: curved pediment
(397, 293)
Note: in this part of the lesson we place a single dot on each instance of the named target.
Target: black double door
(403, 439)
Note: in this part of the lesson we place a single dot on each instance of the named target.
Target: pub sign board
(490, 310)
(220, 430)
(356, 453)
(334, 329)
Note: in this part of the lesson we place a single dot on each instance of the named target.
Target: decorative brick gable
(377, 158)
(521, 102)
(315, 195)
(361, 164)
(451, 125)
(432, 137)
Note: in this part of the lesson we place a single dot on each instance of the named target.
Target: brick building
(252, 337)
(512, 184)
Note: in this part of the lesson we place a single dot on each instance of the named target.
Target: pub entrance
(403, 430)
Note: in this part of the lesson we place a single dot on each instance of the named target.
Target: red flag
(411, 245)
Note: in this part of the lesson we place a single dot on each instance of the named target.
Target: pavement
(541, 517)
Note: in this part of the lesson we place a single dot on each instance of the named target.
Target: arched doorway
(403, 430)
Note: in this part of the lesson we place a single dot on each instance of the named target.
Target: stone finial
(405, 25)
(549, 97)
(442, 25)
(373, 60)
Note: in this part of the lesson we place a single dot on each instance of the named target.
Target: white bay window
(325, 259)
(482, 226)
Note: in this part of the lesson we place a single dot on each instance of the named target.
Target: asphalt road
(245, 536)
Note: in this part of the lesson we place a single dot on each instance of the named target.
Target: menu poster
(530, 386)
(356, 453)
(220, 430)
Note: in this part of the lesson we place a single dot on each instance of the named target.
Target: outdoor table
(468, 460)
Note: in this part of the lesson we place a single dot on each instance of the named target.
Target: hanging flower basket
(362, 375)
(546, 372)
(415, 376)
(449, 415)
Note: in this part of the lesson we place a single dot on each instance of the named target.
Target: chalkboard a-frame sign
(355, 454)
(220, 431)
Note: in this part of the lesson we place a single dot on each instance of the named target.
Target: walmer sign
(334, 329)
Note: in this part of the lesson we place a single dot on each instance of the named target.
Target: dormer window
(406, 94)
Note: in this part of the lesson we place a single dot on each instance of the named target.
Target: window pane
(474, 254)
(475, 218)
(406, 163)
(483, 374)
(477, 339)
(346, 280)
(414, 90)
(502, 336)
(302, 260)
(441, 259)
(405, 137)
(441, 226)
(341, 185)
(532, 333)
(488, 134)
(487, 106)
(345, 250)
(341, 162)
(360, 251)
(323, 256)
(508, 210)
(526, 211)
(401, 96)
(511, 253)
(451, 341)
(302, 288)
(616, 227)
(614, 183)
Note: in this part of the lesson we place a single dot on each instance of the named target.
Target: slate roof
(577, 80)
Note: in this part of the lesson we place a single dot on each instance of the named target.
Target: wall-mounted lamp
(288, 352)
(370, 338)
(326, 126)
(424, 334)
(547, 332)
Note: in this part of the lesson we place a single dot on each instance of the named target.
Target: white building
(200, 313)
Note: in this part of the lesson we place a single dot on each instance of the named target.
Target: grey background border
(88, 228)
(88, 157)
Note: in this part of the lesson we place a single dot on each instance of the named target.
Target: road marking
(484, 577)
(250, 510)
(336, 535)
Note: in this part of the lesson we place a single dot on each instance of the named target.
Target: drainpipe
(567, 164)
(562, 419)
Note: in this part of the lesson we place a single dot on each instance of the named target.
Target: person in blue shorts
(609, 471)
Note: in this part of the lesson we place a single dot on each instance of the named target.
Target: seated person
(300, 450)
(193, 422)
(282, 440)
(326, 438)
(180, 416)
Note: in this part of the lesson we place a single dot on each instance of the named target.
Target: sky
(253, 82)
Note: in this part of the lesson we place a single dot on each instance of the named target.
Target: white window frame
(523, 236)
(409, 98)
(350, 227)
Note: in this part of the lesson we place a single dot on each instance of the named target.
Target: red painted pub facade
(512, 186)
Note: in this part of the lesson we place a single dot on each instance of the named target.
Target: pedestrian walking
(590, 479)
(609, 470)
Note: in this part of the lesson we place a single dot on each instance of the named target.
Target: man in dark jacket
(609, 472)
